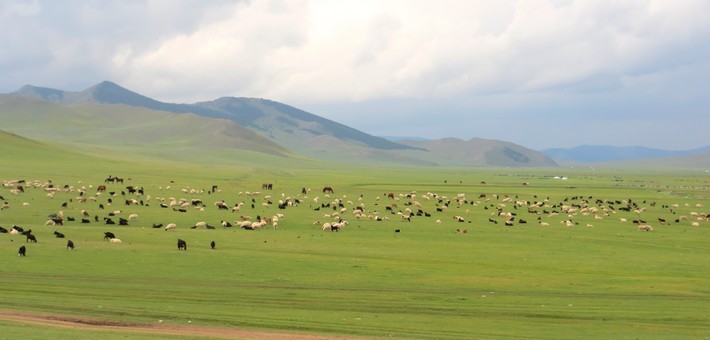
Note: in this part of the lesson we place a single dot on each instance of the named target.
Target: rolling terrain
(578, 267)
(295, 130)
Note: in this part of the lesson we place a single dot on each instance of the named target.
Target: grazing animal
(115, 240)
(397, 230)
(170, 227)
(157, 225)
(109, 235)
(327, 190)
(22, 251)
(58, 234)
(70, 245)
(31, 238)
(212, 244)
(181, 244)
(3, 230)
(645, 227)
(462, 231)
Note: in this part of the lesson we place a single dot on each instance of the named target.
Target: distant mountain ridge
(607, 153)
(243, 111)
(304, 133)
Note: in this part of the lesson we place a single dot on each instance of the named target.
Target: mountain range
(260, 125)
(108, 114)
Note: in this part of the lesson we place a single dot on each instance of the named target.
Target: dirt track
(72, 322)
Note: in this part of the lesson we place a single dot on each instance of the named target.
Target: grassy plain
(606, 280)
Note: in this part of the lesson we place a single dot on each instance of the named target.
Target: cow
(181, 244)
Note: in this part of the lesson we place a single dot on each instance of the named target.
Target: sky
(539, 73)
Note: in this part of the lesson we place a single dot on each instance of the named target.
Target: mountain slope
(483, 152)
(281, 123)
(126, 126)
(271, 127)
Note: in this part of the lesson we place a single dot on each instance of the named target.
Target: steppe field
(570, 262)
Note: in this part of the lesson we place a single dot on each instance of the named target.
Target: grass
(427, 281)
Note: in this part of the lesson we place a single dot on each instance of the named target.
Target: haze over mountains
(262, 126)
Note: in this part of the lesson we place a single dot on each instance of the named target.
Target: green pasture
(605, 280)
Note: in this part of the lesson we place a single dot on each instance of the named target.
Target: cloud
(470, 61)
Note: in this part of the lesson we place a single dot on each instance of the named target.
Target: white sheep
(645, 227)
(115, 240)
(170, 227)
(132, 217)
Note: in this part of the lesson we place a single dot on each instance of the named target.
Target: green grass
(521, 281)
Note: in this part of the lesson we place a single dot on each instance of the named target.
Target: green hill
(257, 125)
(124, 127)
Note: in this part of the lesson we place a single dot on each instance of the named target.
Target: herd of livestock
(117, 202)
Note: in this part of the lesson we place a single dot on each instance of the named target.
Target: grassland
(607, 280)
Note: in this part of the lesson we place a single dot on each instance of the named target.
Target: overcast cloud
(540, 73)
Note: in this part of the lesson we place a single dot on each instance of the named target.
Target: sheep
(115, 240)
(58, 234)
(3, 230)
(70, 245)
(645, 227)
(213, 245)
(50, 223)
(181, 244)
(170, 227)
(31, 238)
(22, 251)
(109, 235)
(201, 224)
(132, 217)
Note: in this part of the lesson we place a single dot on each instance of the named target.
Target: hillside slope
(284, 128)
(128, 127)
(483, 152)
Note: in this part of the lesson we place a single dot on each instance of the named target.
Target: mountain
(482, 152)
(263, 125)
(606, 153)
(274, 120)
(132, 128)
